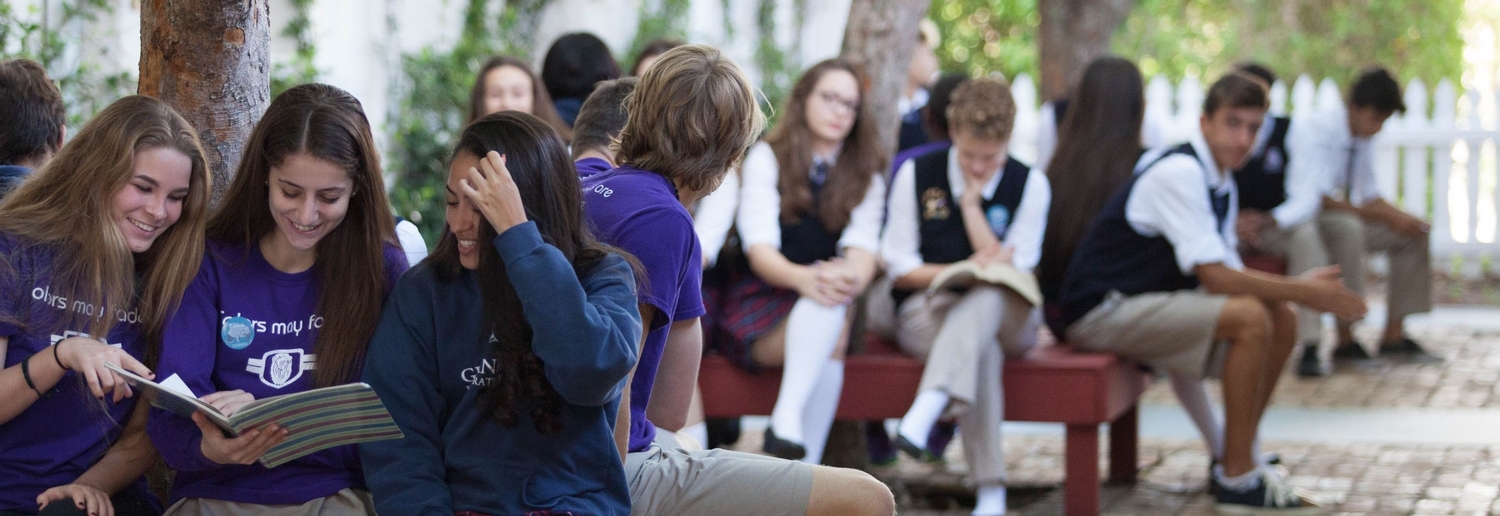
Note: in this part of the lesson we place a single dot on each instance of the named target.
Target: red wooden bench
(1051, 384)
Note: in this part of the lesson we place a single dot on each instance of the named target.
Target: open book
(315, 420)
(965, 273)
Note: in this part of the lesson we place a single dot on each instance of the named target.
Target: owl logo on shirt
(934, 204)
(999, 218)
(1275, 161)
(237, 333)
(279, 368)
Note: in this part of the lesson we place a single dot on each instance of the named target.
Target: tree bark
(880, 38)
(210, 59)
(1072, 34)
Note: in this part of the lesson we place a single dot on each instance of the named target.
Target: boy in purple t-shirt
(599, 124)
(696, 118)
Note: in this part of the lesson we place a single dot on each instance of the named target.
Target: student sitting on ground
(301, 253)
(972, 202)
(1334, 150)
(113, 226)
(503, 356)
(598, 127)
(34, 125)
(693, 115)
(1133, 286)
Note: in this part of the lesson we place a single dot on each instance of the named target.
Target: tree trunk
(211, 61)
(1073, 33)
(880, 38)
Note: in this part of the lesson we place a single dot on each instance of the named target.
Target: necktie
(1349, 175)
(819, 173)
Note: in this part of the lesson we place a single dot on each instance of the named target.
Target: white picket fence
(1442, 166)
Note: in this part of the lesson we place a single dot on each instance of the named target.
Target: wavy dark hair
(1097, 147)
(327, 123)
(861, 159)
(544, 174)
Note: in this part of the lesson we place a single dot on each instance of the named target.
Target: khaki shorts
(347, 502)
(667, 480)
(1168, 331)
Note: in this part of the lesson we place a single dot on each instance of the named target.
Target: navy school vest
(1262, 181)
(806, 240)
(1113, 257)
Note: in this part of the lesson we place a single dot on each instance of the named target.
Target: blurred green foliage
(86, 87)
(1177, 38)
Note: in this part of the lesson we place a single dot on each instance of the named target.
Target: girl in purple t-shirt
(100, 242)
(301, 253)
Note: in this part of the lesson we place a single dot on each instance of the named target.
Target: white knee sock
(1194, 398)
(916, 425)
(822, 407)
(812, 333)
(990, 500)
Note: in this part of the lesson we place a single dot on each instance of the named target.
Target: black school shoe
(1310, 366)
(782, 448)
(1270, 458)
(1351, 350)
(1408, 348)
(1271, 496)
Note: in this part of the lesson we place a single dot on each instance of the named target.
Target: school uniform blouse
(902, 240)
(715, 215)
(758, 219)
(1171, 199)
(1321, 149)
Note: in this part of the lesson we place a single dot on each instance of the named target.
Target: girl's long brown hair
(1097, 147)
(553, 199)
(327, 123)
(63, 210)
(860, 159)
(541, 102)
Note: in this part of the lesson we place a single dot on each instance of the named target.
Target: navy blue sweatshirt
(428, 363)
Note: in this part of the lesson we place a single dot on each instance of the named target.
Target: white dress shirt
(758, 219)
(1321, 148)
(1171, 199)
(901, 244)
(714, 216)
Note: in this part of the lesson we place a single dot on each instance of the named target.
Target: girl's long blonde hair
(63, 212)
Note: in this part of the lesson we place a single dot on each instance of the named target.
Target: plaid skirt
(746, 309)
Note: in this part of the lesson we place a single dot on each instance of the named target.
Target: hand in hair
(88, 357)
(245, 449)
(494, 192)
(91, 500)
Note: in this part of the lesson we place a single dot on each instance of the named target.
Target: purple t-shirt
(245, 325)
(638, 211)
(61, 435)
(590, 166)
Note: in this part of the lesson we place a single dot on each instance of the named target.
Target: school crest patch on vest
(279, 368)
(237, 333)
(999, 217)
(934, 204)
(1275, 161)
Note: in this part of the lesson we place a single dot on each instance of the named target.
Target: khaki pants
(964, 337)
(667, 479)
(1302, 246)
(1348, 238)
(348, 502)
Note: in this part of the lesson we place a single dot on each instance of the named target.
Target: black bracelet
(54, 355)
(26, 373)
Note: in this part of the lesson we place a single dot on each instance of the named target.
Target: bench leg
(1081, 484)
(1123, 451)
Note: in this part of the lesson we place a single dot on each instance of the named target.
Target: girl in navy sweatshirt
(95, 251)
(502, 356)
(301, 254)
